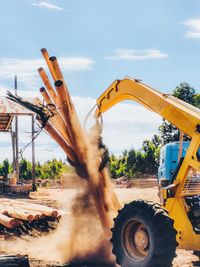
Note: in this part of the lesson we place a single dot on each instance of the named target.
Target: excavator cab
(169, 160)
(167, 172)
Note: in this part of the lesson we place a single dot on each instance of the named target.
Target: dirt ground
(63, 198)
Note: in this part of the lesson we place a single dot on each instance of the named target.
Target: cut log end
(42, 89)
(43, 50)
(40, 69)
(52, 58)
(58, 83)
(54, 214)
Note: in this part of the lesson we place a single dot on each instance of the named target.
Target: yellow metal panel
(186, 237)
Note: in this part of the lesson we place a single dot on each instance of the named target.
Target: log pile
(61, 122)
(22, 217)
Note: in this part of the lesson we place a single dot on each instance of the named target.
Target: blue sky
(100, 41)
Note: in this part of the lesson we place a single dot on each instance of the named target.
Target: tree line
(51, 169)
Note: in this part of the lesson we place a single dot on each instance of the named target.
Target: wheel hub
(141, 239)
(136, 240)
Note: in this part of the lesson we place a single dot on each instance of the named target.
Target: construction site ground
(61, 198)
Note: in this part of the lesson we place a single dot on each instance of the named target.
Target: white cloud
(126, 125)
(75, 63)
(193, 28)
(26, 69)
(132, 54)
(48, 6)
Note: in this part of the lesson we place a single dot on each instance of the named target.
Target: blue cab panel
(169, 159)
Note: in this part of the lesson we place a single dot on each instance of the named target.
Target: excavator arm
(183, 115)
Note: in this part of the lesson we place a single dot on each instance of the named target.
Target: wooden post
(33, 153)
(13, 148)
(16, 138)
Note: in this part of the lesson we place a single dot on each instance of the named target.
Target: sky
(97, 42)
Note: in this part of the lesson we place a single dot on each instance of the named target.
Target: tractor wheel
(196, 253)
(143, 236)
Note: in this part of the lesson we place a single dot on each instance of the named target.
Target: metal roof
(8, 109)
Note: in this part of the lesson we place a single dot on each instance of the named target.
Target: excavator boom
(170, 108)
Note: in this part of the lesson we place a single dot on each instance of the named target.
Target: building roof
(8, 109)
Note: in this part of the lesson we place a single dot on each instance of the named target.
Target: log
(14, 261)
(18, 213)
(9, 222)
(56, 101)
(47, 211)
(56, 121)
(56, 68)
(70, 116)
(57, 137)
(49, 64)
(48, 85)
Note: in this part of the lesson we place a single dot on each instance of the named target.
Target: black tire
(196, 253)
(143, 236)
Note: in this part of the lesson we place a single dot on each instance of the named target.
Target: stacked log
(41, 210)
(8, 222)
(14, 214)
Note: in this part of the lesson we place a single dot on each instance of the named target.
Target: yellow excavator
(146, 234)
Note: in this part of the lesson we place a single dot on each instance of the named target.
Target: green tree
(134, 163)
(38, 169)
(168, 132)
(156, 140)
(113, 166)
(185, 92)
(50, 169)
(25, 169)
(131, 162)
(151, 162)
(117, 166)
(197, 100)
(5, 168)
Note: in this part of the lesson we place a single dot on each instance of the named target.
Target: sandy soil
(63, 198)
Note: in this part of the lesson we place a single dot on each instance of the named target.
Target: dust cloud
(80, 236)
